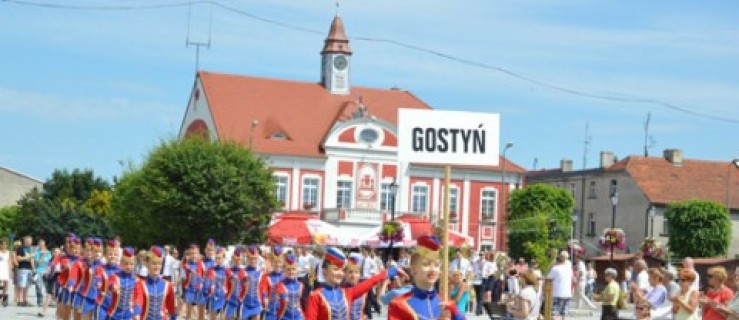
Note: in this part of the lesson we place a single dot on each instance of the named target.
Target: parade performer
(253, 304)
(351, 277)
(332, 302)
(272, 279)
(290, 291)
(92, 281)
(208, 262)
(215, 284)
(194, 271)
(64, 295)
(75, 283)
(238, 284)
(120, 286)
(154, 297)
(423, 302)
(112, 249)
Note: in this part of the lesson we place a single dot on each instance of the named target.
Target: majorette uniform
(208, 262)
(120, 286)
(109, 269)
(215, 284)
(357, 307)
(420, 304)
(332, 302)
(64, 294)
(193, 282)
(238, 285)
(272, 279)
(252, 305)
(76, 279)
(92, 282)
(154, 298)
(289, 293)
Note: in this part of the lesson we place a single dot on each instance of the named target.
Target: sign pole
(445, 236)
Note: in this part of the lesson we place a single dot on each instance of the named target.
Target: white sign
(448, 137)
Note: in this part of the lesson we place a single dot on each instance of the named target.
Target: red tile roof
(663, 182)
(303, 111)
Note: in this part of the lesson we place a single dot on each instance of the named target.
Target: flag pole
(445, 235)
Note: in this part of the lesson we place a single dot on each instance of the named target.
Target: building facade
(645, 186)
(333, 148)
(13, 185)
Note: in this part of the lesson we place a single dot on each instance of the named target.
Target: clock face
(340, 62)
(368, 135)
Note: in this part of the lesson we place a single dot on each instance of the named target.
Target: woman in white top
(685, 304)
(526, 304)
(4, 272)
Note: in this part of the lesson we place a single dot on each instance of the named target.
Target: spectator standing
(592, 275)
(731, 311)
(41, 259)
(5, 266)
(140, 269)
(405, 259)
(525, 306)
(689, 265)
(488, 277)
(477, 282)
(685, 304)
(610, 295)
(672, 286)
(24, 261)
(459, 291)
(717, 296)
(460, 263)
(50, 275)
(561, 275)
(368, 268)
(582, 281)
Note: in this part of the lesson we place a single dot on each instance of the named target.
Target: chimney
(565, 165)
(606, 159)
(674, 156)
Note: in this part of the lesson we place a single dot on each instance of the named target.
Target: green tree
(194, 189)
(698, 228)
(8, 220)
(75, 201)
(539, 221)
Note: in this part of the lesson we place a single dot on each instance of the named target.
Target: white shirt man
(167, 264)
(369, 267)
(561, 275)
(461, 263)
(304, 263)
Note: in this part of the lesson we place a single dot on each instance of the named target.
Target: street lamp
(393, 194)
(652, 213)
(501, 231)
(614, 203)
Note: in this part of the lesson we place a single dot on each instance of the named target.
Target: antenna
(646, 134)
(586, 145)
(197, 44)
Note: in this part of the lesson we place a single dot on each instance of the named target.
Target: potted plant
(651, 248)
(615, 238)
(391, 230)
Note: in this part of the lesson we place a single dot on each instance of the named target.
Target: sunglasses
(685, 280)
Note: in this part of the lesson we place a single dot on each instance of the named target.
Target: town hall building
(333, 148)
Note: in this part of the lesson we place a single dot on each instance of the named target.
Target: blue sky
(100, 88)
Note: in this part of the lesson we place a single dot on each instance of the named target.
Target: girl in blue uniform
(272, 279)
(290, 291)
(215, 283)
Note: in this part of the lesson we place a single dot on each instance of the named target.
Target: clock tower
(335, 59)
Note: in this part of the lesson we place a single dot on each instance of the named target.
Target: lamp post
(614, 203)
(504, 218)
(572, 239)
(254, 125)
(652, 213)
(393, 194)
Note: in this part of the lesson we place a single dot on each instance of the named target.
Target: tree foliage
(698, 228)
(539, 221)
(75, 201)
(8, 220)
(194, 189)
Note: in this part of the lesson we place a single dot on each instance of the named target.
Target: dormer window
(278, 136)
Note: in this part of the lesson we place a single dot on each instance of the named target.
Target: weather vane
(338, 5)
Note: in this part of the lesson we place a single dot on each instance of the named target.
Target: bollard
(548, 298)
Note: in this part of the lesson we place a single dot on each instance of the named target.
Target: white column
(295, 185)
(437, 201)
(466, 208)
(405, 185)
(330, 176)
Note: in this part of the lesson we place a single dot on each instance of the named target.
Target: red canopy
(290, 228)
(421, 226)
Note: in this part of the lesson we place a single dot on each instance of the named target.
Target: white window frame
(453, 199)
(317, 205)
(281, 175)
(495, 204)
(386, 195)
(425, 195)
(350, 191)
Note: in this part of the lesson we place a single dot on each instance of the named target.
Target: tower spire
(336, 58)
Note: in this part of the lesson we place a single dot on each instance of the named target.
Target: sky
(97, 84)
